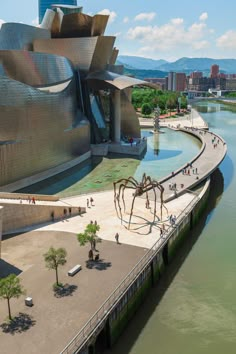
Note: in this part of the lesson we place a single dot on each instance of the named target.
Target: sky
(157, 29)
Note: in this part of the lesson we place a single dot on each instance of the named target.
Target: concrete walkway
(189, 175)
(213, 151)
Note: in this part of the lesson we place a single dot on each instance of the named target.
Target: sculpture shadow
(65, 290)
(142, 226)
(98, 265)
(21, 323)
(7, 268)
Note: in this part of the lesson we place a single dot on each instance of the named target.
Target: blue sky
(165, 29)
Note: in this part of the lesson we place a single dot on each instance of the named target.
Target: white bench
(74, 270)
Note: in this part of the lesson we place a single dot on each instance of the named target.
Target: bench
(74, 270)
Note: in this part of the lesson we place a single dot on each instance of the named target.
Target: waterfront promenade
(67, 314)
(212, 152)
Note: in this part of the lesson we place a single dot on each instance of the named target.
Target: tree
(171, 102)
(55, 257)
(89, 235)
(146, 109)
(10, 287)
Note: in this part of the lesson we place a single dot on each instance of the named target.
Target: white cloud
(171, 37)
(1, 22)
(177, 21)
(35, 22)
(203, 16)
(227, 40)
(145, 16)
(201, 45)
(126, 19)
(117, 34)
(112, 14)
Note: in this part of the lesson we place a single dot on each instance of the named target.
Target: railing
(100, 316)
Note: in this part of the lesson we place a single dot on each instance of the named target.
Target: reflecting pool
(165, 153)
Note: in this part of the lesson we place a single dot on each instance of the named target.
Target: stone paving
(54, 320)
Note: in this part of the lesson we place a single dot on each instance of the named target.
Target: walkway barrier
(26, 196)
(98, 319)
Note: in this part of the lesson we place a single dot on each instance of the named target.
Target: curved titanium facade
(38, 130)
(19, 36)
(46, 4)
(82, 25)
(88, 54)
(129, 121)
(35, 69)
(107, 79)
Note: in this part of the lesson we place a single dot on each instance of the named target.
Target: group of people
(30, 200)
(172, 186)
(187, 170)
(215, 142)
(90, 201)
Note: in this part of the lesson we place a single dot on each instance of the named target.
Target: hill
(186, 65)
(134, 62)
(142, 74)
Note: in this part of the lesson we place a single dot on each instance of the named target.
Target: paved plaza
(53, 321)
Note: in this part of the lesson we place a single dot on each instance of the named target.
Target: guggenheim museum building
(61, 92)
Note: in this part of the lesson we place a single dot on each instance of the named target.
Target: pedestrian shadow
(98, 265)
(65, 290)
(18, 324)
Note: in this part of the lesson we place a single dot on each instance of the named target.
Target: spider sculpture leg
(121, 190)
(161, 189)
(151, 186)
(155, 204)
(115, 196)
(131, 212)
(129, 183)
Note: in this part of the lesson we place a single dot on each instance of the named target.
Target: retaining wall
(19, 217)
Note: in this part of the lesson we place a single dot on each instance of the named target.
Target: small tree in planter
(10, 287)
(89, 236)
(53, 258)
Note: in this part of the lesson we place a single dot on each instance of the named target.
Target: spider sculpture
(139, 188)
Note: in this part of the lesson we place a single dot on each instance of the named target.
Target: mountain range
(186, 65)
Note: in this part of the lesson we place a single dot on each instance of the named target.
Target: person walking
(87, 203)
(117, 237)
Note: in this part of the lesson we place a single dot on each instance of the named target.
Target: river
(193, 308)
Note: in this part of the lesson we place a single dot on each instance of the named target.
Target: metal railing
(90, 328)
